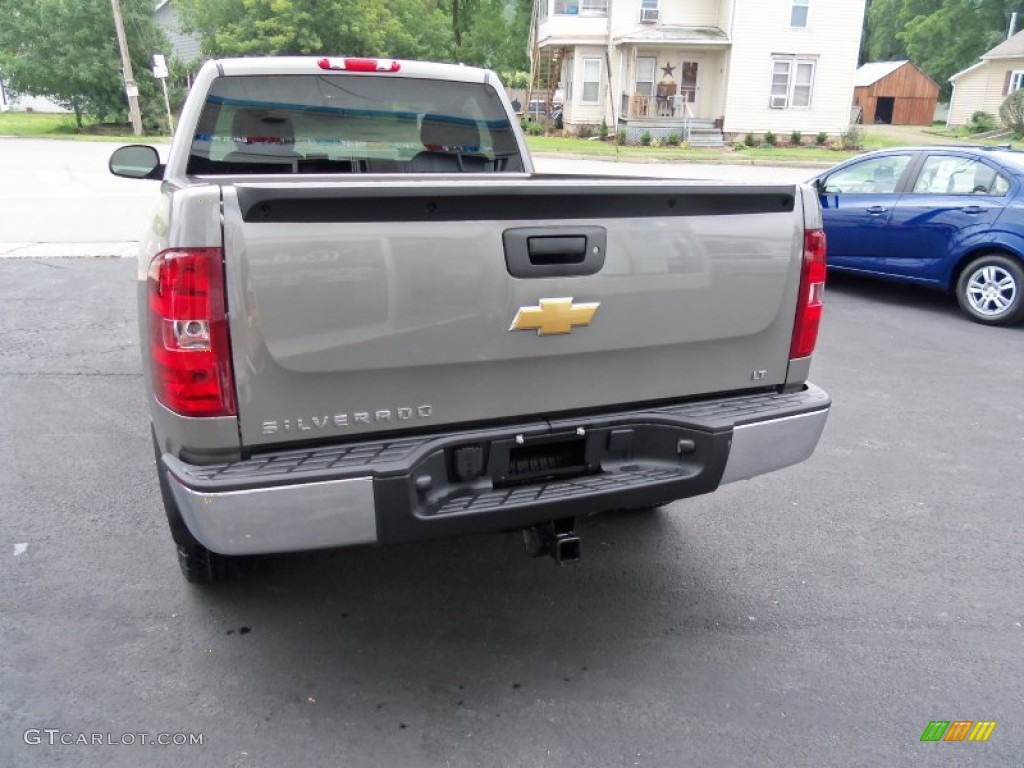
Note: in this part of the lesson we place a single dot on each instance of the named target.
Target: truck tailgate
(380, 305)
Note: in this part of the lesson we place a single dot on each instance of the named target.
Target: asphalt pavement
(58, 200)
(819, 616)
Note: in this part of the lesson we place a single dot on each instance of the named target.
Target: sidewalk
(86, 250)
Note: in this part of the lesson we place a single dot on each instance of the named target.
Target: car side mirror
(819, 185)
(137, 161)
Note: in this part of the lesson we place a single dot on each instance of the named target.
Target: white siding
(625, 14)
(576, 111)
(832, 38)
(573, 28)
(691, 13)
(981, 90)
(184, 48)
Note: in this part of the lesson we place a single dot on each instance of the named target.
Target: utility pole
(129, 78)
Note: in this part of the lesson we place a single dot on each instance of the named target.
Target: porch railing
(641, 106)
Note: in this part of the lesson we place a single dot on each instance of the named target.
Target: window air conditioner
(648, 15)
(778, 102)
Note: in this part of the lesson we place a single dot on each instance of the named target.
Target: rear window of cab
(342, 123)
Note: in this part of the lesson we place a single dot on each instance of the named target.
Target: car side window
(949, 175)
(877, 176)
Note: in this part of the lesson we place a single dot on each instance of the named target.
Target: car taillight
(812, 294)
(360, 65)
(188, 334)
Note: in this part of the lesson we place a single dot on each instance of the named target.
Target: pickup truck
(365, 319)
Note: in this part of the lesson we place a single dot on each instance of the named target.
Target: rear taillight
(188, 334)
(812, 294)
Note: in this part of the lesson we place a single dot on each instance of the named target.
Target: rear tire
(990, 290)
(198, 564)
(201, 566)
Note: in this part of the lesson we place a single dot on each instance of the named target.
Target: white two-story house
(742, 66)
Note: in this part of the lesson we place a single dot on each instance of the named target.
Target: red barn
(895, 92)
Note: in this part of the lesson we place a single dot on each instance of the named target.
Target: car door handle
(874, 210)
(972, 209)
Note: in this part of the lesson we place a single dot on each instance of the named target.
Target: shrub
(749, 140)
(602, 130)
(515, 79)
(620, 137)
(821, 139)
(852, 139)
(981, 122)
(1012, 113)
(796, 138)
(673, 139)
(769, 139)
(534, 128)
(645, 138)
(584, 131)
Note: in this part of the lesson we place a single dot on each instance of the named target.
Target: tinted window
(950, 175)
(340, 123)
(877, 176)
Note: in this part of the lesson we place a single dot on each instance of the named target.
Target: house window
(798, 15)
(645, 76)
(1016, 81)
(581, 7)
(792, 83)
(648, 11)
(591, 81)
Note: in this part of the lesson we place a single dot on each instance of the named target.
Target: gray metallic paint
(420, 314)
(183, 218)
(690, 305)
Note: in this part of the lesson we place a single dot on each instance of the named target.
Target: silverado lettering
(347, 419)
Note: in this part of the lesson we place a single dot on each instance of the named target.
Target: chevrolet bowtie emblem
(554, 316)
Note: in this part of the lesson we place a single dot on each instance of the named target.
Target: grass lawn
(44, 125)
(873, 137)
(610, 151)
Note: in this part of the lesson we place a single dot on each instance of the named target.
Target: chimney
(1013, 25)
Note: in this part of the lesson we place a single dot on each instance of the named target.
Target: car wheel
(198, 564)
(991, 290)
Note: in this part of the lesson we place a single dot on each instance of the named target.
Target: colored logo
(554, 316)
(958, 730)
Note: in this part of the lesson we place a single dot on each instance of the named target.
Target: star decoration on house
(668, 69)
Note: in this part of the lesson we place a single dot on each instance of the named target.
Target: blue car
(946, 217)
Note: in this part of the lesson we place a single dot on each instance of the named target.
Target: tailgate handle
(554, 251)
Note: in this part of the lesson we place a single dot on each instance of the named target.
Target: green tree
(496, 35)
(953, 36)
(883, 27)
(399, 28)
(489, 33)
(67, 50)
(940, 36)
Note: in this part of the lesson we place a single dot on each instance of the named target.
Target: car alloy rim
(991, 290)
